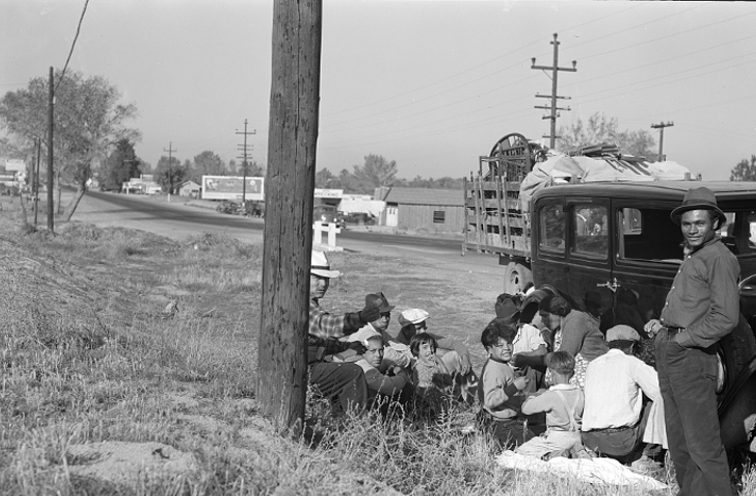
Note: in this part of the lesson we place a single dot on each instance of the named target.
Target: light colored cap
(319, 265)
(622, 332)
(413, 316)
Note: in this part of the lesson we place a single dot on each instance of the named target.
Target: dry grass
(86, 357)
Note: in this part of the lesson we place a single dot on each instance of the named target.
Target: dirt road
(459, 291)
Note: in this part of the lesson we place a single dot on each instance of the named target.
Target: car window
(649, 234)
(590, 236)
(739, 231)
(551, 228)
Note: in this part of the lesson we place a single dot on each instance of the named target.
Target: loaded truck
(600, 219)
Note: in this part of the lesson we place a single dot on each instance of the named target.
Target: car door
(589, 244)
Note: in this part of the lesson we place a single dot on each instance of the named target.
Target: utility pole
(244, 162)
(50, 172)
(170, 150)
(36, 180)
(553, 107)
(289, 190)
(660, 127)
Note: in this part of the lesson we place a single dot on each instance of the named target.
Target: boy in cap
(617, 419)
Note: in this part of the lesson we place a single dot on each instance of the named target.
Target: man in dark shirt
(702, 307)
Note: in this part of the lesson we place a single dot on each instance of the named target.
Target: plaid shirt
(324, 324)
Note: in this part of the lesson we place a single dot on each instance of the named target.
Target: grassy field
(88, 356)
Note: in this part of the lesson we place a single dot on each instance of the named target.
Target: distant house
(422, 209)
(189, 188)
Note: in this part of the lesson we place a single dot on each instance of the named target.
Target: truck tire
(516, 278)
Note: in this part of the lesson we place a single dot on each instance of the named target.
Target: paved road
(179, 213)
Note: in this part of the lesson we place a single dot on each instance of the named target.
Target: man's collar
(689, 251)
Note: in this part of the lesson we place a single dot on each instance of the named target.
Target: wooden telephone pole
(660, 127)
(245, 150)
(289, 189)
(553, 107)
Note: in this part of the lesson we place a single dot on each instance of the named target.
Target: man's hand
(653, 327)
(521, 383)
(369, 314)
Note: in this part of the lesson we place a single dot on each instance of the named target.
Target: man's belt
(672, 330)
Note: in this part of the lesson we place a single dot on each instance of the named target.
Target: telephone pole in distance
(244, 150)
(661, 127)
(553, 107)
(170, 150)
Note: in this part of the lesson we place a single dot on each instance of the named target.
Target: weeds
(86, 358)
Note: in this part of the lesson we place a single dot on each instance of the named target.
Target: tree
(253, 169)
(602, 129)
(121, 165)
(170, 174)
(89, 120)
(376, 172)
(207, 163)
(325, 179)
(744, 171)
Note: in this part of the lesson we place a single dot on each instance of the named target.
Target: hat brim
(386, 308)
(328, 274)
(677, 213)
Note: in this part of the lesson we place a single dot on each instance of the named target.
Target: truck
(615, 233)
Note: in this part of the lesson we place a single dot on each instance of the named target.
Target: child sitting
(500, 389)
(430, 377)
(563, 404)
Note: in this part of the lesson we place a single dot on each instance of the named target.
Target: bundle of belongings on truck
(592, 164)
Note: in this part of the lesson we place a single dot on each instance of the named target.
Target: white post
(332, 232)
(317, 234)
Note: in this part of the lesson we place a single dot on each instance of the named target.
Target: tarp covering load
(560, 168)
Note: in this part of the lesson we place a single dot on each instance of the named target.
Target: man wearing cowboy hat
(340, 382)
(701, 308)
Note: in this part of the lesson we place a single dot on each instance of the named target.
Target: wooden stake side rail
(493, 218)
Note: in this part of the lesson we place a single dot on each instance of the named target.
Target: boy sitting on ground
(563, 404)
(430, 377)
(381, 386)
(500, 390)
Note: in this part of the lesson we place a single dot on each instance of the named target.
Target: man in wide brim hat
(701, 198)
(702, 307)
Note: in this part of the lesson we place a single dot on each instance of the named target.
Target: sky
(431, 84)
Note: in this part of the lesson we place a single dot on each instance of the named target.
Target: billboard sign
(230, 188)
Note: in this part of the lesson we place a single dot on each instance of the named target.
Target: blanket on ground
(604, 471)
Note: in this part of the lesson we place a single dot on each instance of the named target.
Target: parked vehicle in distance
(360, 218)
(327, 214)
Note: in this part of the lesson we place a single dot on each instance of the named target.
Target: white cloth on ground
(603, 471)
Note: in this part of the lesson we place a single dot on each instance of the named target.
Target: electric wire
(73, 44)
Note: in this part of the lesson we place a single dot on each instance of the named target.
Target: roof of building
(424, 196)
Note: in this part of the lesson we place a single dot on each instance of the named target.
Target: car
(360, 218)
(327, 214)
(615, 235)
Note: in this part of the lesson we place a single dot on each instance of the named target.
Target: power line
(73, 44)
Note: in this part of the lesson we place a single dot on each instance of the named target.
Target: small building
(423, 209)
(143, 185)
(189, 188)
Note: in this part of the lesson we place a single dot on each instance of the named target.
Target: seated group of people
(355, 362)
(553, 383)
(551, 371)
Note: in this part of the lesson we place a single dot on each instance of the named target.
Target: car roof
(649, 189)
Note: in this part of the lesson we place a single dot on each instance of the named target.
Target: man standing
(343, 383)
(702, 307)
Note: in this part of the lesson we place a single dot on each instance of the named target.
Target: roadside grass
(87, 355)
